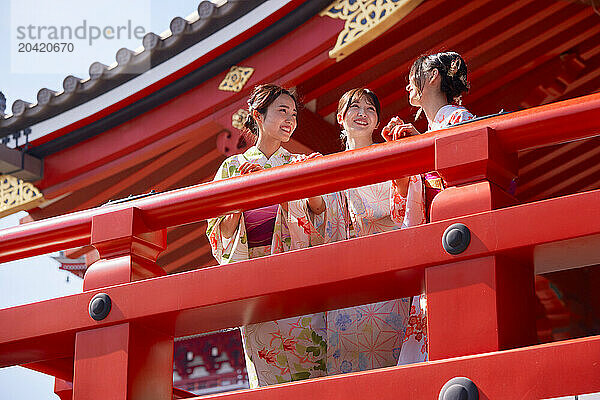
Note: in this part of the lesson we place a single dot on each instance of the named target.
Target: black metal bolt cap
(459, 388)
(99, 306)
(456, 238)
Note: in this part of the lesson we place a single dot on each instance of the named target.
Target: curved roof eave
(109, 89)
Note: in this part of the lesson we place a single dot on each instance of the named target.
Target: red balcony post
(127, 360)
(482, 304)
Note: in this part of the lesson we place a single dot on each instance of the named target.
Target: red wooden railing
(480, 302)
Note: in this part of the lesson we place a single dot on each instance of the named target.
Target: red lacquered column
(127, 360)
(482, 304)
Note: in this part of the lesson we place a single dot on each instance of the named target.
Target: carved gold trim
(236, 78)
(17, 195)
(365, 20)
(238, 118)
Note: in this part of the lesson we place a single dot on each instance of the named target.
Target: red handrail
(525, 129)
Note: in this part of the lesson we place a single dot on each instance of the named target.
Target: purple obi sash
(260, 224)
(433, 185)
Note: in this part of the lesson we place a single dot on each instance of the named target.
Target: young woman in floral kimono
(435, 85)
(292, 348)
(367, 336)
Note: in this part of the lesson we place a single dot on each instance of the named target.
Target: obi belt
(260, 224)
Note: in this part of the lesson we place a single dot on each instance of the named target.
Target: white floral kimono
(367, 336)
(284, 350)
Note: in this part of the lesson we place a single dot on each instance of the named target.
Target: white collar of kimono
(254, 153)
(447, 109)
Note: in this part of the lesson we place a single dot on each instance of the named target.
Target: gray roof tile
(129, 64)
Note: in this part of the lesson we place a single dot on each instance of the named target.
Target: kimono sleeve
(306, 228)
(409, 210)
(235, 248)
(460, 115)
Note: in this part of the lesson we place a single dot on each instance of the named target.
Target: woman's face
(361, 116)
(414, 98)
(431, 87)
(279, 122)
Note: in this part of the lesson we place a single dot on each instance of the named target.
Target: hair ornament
(454, 66)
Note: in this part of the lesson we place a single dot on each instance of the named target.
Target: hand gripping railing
(478, 301)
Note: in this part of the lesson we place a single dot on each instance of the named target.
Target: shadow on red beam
(544, 125)
(357, 271)
(61, 368)
(537, 372)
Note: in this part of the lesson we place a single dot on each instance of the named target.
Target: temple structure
(125, 136)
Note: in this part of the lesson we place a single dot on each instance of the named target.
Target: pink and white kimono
(367, 336)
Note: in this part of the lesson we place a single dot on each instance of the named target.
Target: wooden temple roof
(520, 54)
(183, 34)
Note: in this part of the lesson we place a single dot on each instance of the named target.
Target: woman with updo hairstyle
(293, 348)
(436, 84)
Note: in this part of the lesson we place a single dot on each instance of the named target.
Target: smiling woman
(294, 348)
(372, 335)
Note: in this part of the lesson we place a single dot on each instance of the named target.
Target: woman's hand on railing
(230, 224)
(394, 130)
(397, 129)
(248, 167)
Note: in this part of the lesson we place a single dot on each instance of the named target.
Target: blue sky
(25, 86)
(39, 278)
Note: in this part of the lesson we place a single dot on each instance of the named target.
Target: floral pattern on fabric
(284, 350)
(366, 336)
(409, 210)
(449, 115)
(414, 347)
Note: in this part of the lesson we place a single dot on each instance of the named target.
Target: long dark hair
(453, 73)
(261, 98)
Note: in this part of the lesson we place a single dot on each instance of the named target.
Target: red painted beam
(260, 289)
(200, 61)
(535, 127)
(480, 42)
(531, 373)
(154, 149)
(411, 31)
(206, 200)
(191, 107)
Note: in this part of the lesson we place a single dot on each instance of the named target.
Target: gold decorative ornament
(365, 20)
(17, 195)
(238, 118)
(236, 79)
